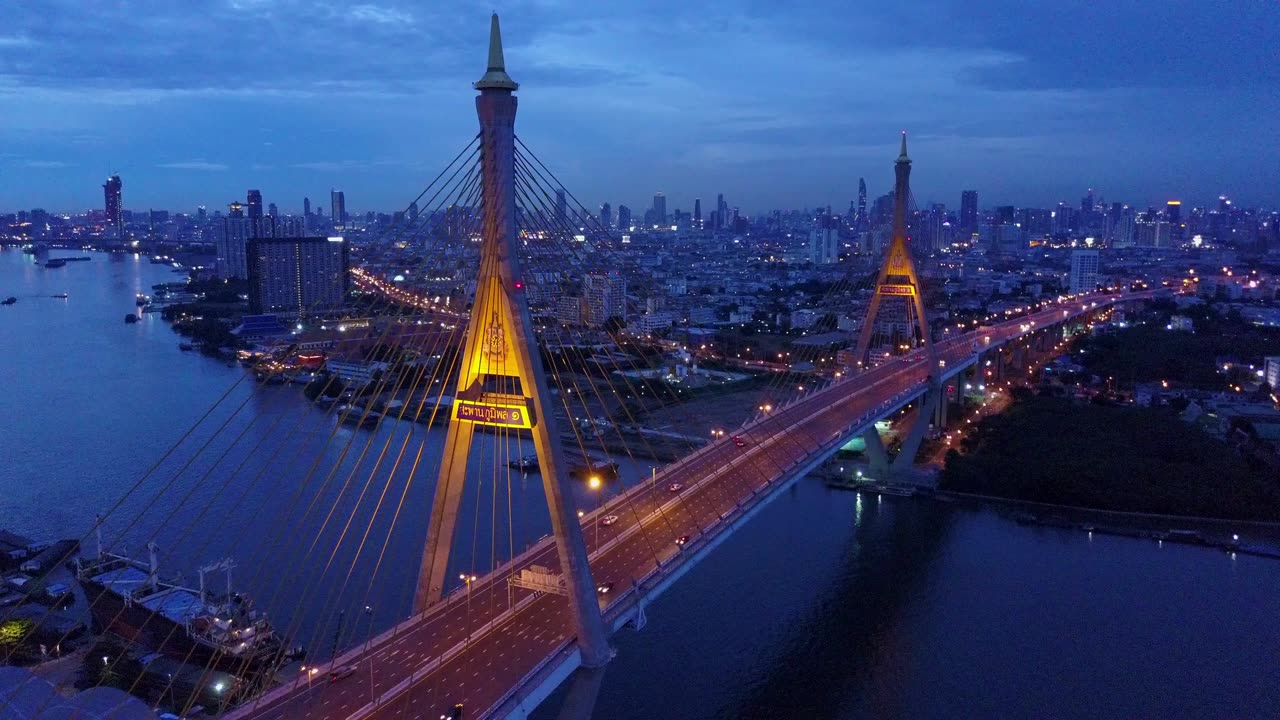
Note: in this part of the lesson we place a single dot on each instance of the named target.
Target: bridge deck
(428, 663)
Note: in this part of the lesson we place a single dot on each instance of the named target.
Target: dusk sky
(777, 105)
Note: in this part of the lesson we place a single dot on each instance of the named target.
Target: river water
(827, 605)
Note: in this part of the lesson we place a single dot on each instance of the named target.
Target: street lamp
(468, 579)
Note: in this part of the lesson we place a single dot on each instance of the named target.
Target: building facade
(299, 276)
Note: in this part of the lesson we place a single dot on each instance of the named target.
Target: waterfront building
(338, 206)
(112, 191)
(297, 276)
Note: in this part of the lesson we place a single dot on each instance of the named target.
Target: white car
(608, 520)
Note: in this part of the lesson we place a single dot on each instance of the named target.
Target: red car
(682, 539)
(739, 441)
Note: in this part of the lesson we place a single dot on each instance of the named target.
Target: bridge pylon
(898, 278)
(501, 381)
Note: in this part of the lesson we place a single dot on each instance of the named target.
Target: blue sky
(774, 104)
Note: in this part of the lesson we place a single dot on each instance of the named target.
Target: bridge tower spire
(501, 381)
(898, 277)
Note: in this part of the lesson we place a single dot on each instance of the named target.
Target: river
(827, 605)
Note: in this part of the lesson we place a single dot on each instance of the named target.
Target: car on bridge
(454, 714)
(675, 487)
(608, 520)
(341, 671)
(682, 540)
(604, 588)
(737, 440)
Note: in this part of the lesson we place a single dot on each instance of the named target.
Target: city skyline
(994, 102)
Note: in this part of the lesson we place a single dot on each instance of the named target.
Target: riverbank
(1109, 458)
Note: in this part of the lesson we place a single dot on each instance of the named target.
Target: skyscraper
(605, 296)
(338, 207)
(297, 276)
(824, 239)
(562, 209)
(254, 203)
(112, 191)
(697, 212)
(606, 216)
(1173, 212)
(1084, 271)
(273, 211)
(969, 211)
(624, 218)
(237, 230)
(413, 211)
(306, 207)
(1086, 204)
(660, 208)
(860, 222)
(721, 211)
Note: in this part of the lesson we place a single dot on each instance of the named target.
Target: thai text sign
(897, 290)
(512, 416)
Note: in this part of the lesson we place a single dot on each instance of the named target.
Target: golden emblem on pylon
(495, 340)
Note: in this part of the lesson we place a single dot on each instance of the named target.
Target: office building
(659, 209)
(254, 204)
(298, 277)
(624, 217)
(1084, 271)
(237, 229)
(824, 240)
(697, 212)
(606, 216)
(338, 206)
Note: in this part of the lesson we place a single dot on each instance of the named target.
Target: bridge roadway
(487, 648)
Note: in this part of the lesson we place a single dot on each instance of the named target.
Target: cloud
(16, 41)
(382, 15)
(199, 165)
(49, 164)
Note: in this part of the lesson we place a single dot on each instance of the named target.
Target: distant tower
(660, 208)
(501, 381)
(562, 209)
(306, 207)
(606, 216)
(273, 211)
(624, 218)
(862, 224)
(898, 278)
(254, 203)
(697, 212)
(969, 211)
(338, 207)
(112, 191)
(413, 211)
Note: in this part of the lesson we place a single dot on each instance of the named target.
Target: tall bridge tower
(898, 279)
(501, 381)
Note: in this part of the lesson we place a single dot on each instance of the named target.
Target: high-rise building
(112, 191)
(697, 212)
(338, 207)
(969, 211)
(606, 216)
(413, 211)
(1084, 271)
(722, 210)
(306, 207)
(237, 230)
(861, 223)
(297, 276)
(659, 208)
(1173, 213)
(562, 209)
(824, 239)
(254, 204)
(1086, 204)
(624, 218)
(605, 296)
(273, 211)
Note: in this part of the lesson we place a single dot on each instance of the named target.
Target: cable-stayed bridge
(495, 640)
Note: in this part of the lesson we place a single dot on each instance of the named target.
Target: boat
(199, 626)
(9, 300)
(131, 318)
(60, 296)
(528, 463)
(55, 263)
